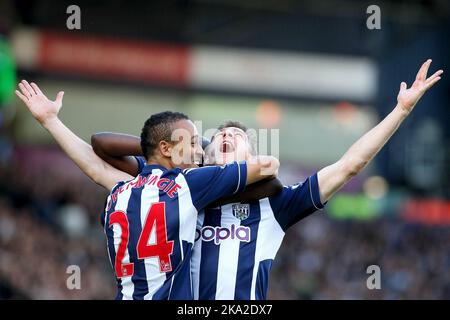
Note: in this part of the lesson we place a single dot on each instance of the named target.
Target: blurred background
(311, 69)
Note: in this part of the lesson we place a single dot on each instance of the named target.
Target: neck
(162, 161)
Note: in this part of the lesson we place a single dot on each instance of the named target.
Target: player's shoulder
(279, 200)
(159, 170)
(201, 170)
(286, 189)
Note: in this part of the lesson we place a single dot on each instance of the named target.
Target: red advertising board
(116, 59)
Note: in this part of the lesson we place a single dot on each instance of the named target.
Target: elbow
(95, 178)
(93, 172)
(277, 186)
(353, 166)
(97, 140)
(98, 174)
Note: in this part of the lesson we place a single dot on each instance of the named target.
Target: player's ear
(165, 148)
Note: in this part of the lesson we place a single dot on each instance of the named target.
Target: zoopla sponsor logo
(219, 234)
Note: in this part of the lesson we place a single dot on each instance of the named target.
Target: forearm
(333, 177)
(116, 144)
(359, 155)
(364, 150)
(81, 153)
(118, 150)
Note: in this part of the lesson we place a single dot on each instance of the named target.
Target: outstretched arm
(333, 177)
(45, 112)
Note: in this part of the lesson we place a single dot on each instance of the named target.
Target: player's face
(187, 151)
(228, 145)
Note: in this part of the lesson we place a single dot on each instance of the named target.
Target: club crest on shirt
(241, 211)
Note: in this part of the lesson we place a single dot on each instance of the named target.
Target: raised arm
(118, 150)
(333, 177)
(46, 112)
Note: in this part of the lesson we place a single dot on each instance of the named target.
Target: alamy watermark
(73, 281)
(73, 22)
(254, 142)
(373, 21)
(374, 280)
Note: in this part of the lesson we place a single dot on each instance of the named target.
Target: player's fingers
(422, 74)
(29, 88)
(21, 96)
(432, 82)
(36, 88)
(403, 86)
(24, 90)
(436, 74)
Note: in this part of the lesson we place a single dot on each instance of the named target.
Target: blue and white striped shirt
(237, 243)
(150, 225)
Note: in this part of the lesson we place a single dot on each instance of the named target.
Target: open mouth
(227, 147)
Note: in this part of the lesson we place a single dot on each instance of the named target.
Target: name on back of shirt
(169, 186)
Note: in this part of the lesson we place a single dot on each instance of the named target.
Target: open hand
(407, 98)
(42, 108)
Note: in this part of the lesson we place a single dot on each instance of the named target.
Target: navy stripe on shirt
(172, 219)
(181, 288)
(262, 279)
(247, 254)
(139, 277)
(209, 258)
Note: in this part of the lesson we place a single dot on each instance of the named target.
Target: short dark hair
(158, 128)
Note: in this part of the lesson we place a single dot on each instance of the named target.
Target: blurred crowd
(322, 258)
(49, 220)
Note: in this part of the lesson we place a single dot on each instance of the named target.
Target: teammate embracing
(150, 218)
(236, 243)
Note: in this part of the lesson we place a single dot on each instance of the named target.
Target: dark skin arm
(253, 192)
(119, 150)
